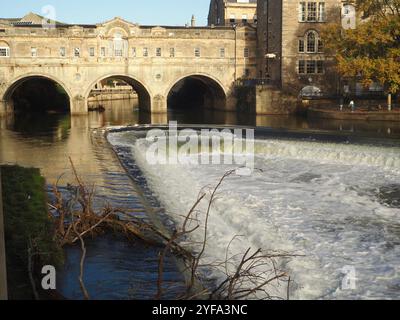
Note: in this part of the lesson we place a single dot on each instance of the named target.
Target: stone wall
(265, 100)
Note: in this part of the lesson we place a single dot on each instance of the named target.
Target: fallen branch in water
(245, 276)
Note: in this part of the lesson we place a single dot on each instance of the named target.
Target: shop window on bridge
(197, 52)
(4, 52)
(222, 53)
(172, 52)
(91, 52)
(158, 52)
(145, 52)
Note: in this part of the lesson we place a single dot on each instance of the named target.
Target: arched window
(310, 43)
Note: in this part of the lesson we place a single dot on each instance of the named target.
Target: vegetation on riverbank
(28, 229)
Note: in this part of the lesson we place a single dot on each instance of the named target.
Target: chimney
(193, 24)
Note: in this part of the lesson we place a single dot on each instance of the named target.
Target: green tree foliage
(371, 52)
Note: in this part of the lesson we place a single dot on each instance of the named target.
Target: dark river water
(116, 269)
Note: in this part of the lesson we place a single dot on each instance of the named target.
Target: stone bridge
(152, 59)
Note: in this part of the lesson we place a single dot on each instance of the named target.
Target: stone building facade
(232, 12)
(291, 50)
(150, 58)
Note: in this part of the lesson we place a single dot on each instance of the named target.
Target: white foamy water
(320, 200)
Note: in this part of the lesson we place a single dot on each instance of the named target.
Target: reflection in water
(47, 141)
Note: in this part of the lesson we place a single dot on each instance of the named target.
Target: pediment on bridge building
(158, 31)
(125, 27)
(75, 30)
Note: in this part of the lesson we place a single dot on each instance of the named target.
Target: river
(295, 206)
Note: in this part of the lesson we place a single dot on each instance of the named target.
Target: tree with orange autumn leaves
(371, 52)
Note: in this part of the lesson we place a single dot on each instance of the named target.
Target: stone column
(230, 103)
(2, 108)
(78, 105)
(159, 104)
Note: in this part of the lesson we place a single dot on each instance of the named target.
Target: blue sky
(149, 12)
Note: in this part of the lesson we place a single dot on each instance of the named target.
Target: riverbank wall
(265, 100)
(356, 115)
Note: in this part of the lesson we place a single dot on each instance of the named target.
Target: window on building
(62, 52)
(158, 52)
(311, 42)
(232, 18)
(244, 18)
(302, 11)
(4, 52)
(197, 52)
(222, 52)
(301, 45)
(246, 52)
(118, 43)
(103, 51)
(311, 67)
(321, 11)
(34, 52)
(77, 52)
(302, 67)
(171, 52)
(91, 51)
(145, 52)
(134, 52)
(311, 11)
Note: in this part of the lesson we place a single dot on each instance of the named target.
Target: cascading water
(337, 205)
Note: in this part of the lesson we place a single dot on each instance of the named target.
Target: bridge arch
(199, 89)
(143, 92)
(7, 96)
